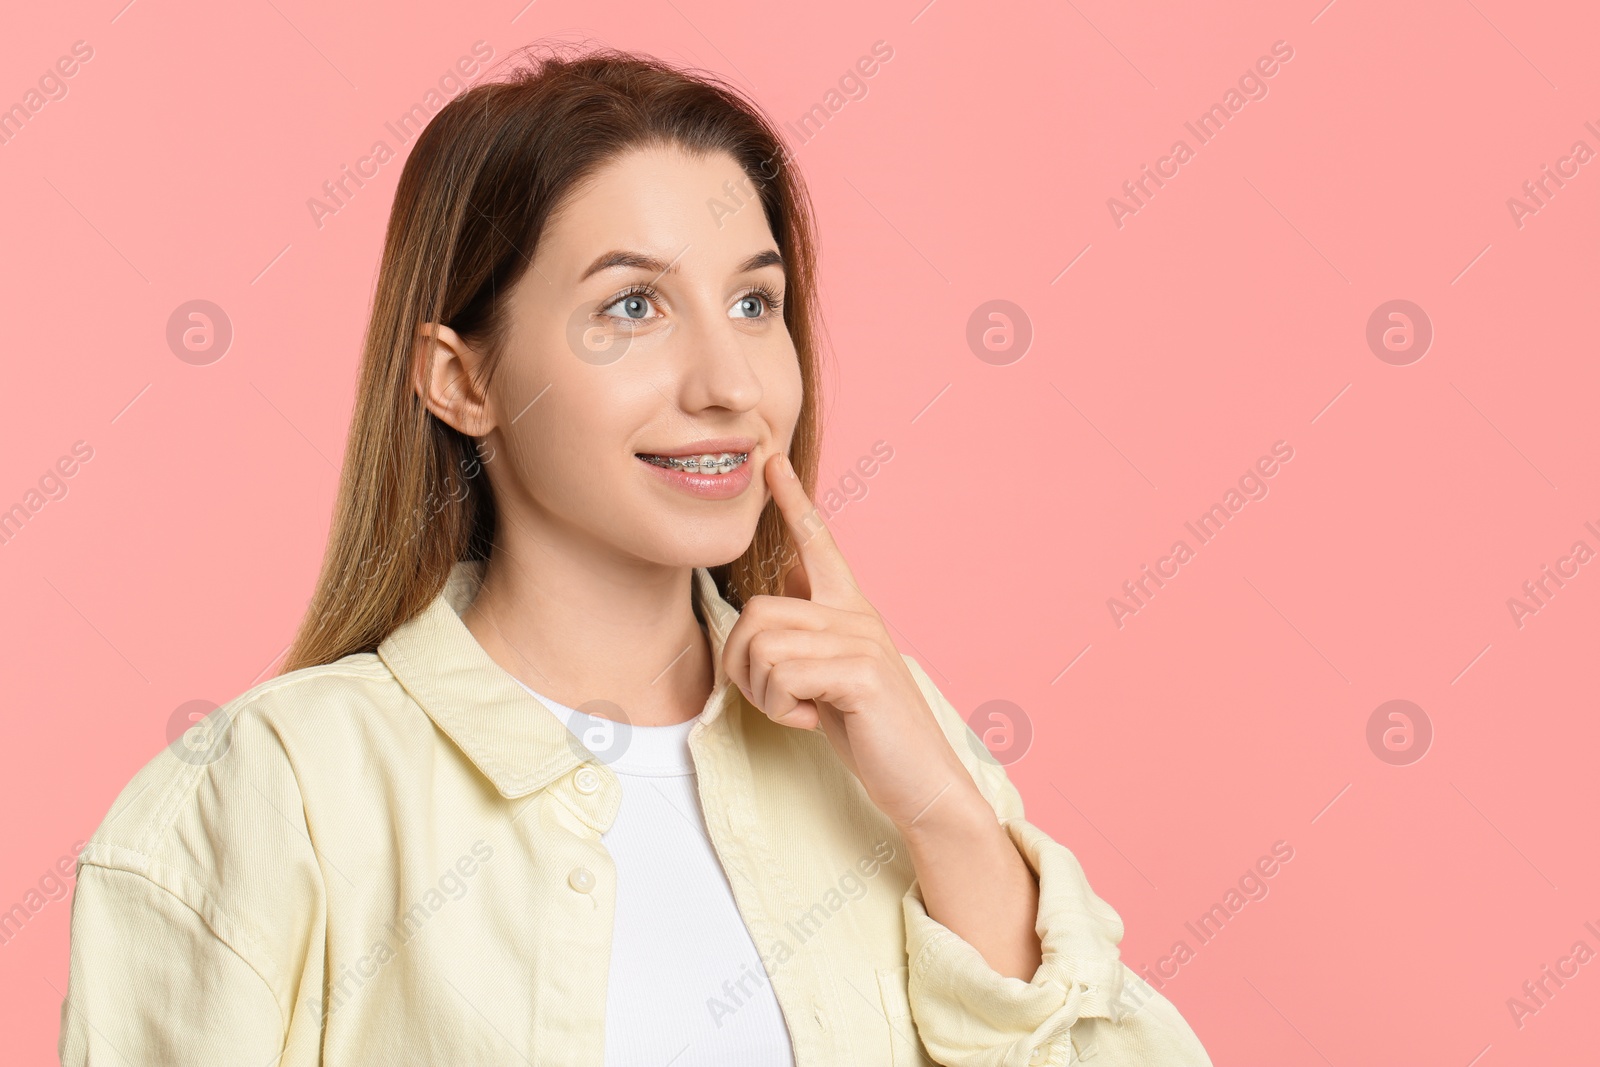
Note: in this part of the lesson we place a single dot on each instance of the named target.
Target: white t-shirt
(686, 984)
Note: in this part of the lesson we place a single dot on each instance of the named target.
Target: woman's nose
(718, 365)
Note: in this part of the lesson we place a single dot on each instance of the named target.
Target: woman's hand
(821, 655)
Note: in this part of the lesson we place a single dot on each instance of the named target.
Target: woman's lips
(704, 486)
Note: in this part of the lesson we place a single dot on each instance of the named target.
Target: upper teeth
(722, 462)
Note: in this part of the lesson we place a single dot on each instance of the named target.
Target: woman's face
(649, 324)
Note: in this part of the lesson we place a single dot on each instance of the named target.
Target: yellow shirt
(396, 859)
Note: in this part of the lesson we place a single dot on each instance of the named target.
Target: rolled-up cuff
(967, 1012)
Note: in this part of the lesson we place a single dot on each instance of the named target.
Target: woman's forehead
(672, 210)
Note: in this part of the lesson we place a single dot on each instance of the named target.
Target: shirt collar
(501, 727)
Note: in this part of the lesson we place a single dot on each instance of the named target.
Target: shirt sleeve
(1082, 1002)
(150, 982)
(197, 924)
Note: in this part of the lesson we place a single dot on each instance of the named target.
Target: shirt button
(586, 780)
(581, 879)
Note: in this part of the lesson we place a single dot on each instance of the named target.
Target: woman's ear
(448, 378)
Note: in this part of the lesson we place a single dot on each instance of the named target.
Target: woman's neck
(626, 639)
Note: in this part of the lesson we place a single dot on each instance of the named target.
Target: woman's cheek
(788, 390)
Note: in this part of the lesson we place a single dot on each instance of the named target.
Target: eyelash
(768, 296)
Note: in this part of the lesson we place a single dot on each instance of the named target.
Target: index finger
(826, 570)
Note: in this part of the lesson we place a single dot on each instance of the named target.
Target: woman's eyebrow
(645, 261)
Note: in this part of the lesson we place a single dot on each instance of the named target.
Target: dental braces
(692, 463)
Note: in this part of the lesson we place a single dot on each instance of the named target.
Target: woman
(590, 749)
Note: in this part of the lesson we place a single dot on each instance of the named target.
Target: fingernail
(788, 468)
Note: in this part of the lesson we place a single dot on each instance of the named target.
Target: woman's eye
(634, 306)
(750, 306)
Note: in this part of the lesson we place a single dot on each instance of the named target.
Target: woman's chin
(707, 550)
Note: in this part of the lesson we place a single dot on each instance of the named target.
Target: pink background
(1228, 313)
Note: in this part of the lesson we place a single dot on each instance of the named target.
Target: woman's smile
(714, 469)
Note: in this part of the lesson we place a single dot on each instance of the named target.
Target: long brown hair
(473, 198)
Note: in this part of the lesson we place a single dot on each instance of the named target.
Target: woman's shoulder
(228, 788)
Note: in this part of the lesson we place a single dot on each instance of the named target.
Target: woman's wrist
(974, 881)
(957, 816)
